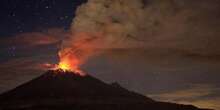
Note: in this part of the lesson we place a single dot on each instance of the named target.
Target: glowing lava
(69, 65)
(64, 66)
(69, 62)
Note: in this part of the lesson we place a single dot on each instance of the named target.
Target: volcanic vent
(62, 90)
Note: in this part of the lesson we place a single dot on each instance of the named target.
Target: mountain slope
(61, 90)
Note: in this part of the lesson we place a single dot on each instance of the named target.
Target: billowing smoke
(179, 24)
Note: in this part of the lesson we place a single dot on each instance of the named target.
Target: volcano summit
(65, 90)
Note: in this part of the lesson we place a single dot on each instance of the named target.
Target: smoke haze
(185, 25)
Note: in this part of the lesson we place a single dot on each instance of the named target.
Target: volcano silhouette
(65, 90)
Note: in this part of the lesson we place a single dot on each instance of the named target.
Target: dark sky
(180, 62)
(19, 16)
(23, 16)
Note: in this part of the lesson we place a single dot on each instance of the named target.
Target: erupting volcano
(69, 62)
(77, 52)
(65, 90)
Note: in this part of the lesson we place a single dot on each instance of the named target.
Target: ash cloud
(170, 24)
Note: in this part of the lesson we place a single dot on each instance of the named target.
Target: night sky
(18, 16)
(178, 61)
(24, 16)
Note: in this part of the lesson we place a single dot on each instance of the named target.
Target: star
(21, 31)
(66, 17)
(18, 27)
(47, 7)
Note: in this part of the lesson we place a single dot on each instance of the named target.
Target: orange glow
(69, 62)
(77, 52)
(64, 66)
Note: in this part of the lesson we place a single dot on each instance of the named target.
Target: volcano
(66, 90)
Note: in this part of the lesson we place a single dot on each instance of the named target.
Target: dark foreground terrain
(59, 90)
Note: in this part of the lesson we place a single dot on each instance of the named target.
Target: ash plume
(108, 24)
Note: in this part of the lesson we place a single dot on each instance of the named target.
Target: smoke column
(108, 24)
